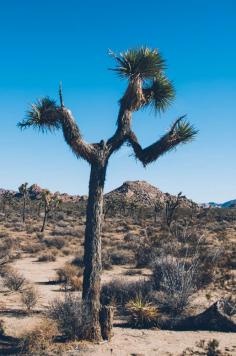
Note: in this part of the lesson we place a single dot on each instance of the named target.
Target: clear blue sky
(43, 42)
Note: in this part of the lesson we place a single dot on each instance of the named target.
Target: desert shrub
(47, 257)
(66, 251)
(2, 328)
(62, 224)
(13, 280)
(30, 229)
(39, 340)
(67, 314)
(66, 232)
(210, 348)
(129, 237)
(208, 261)
(106, 260)
(141, 313)
(143, 256)
(40, 235)
(176, 278)
(32, 248)
(54, 242)
(70, 276)
(229, 306)
(119, 292)
(7, 244)
(29, 297)
(4, 234)
(120, 257)
(78, 261)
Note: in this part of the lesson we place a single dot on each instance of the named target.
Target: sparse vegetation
(13, 280)
(142, 313)
(29, 297)
(67, 314)
(39, 340)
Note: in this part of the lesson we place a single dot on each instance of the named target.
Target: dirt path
(131, 342)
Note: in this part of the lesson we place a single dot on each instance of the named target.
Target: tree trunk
(23, 215)
(106, 320)
(92, 254)
(44, 220)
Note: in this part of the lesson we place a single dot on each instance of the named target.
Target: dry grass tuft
(39, 340)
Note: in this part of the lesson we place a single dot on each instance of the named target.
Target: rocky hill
(143, 193)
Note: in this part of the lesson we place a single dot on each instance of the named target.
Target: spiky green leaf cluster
(142, 62)
(43, 115)
(184, 132)
(160, 93)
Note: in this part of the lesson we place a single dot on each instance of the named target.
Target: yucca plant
(23, 190)
(49, 202)
(142, 313)
(148, 86)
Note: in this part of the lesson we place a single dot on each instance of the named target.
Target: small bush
(32, 248)
(78, 261)
(143, 256)
(119, 292)
(70, 276)
(229, 306)
(38, 341)
(121, 257)
(55, 242)
(141, 313)
(106, 260)
(67, 314)
(13, 280)
(29, 297)
(47, 257)
(177, 280)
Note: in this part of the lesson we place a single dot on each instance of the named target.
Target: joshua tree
(7, 199)
(49, 202)
(171, 204)
(147, 87)
(24, 192)
(158, 207)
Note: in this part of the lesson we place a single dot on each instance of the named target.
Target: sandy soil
(127, 342)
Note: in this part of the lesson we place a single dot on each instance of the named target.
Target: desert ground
(136, 243)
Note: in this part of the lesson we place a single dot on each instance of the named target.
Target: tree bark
(106, 320)
(92, 253)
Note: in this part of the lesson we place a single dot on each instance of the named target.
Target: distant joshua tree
(23, 190)
(158, 207)
(6, 200)
(49, 202)
(171, 205)
(148, 86)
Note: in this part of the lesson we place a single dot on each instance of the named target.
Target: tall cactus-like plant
(49, 202)
(23, 190)
(143, 69)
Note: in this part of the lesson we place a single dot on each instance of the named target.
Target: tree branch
(181, 132)
(131, 101)
(46, 115)
(74, 138)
